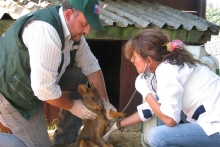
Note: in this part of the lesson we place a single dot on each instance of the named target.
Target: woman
(180, 83)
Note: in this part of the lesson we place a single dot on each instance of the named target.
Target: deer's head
(91, 98)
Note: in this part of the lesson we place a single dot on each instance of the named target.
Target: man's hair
(67, 6)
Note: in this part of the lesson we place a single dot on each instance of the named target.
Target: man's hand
(110, 131)
(81, 111)
(141, 85)
(108, 106)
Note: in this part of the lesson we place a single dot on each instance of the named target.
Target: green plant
(52, 125)
(213, 13)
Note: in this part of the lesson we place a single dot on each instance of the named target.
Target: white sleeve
(85, 59)
(145, 112)
(170, 81)
(44, 46)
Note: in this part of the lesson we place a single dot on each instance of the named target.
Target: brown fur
(93, 130)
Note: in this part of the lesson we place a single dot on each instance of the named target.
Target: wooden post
(128, 75)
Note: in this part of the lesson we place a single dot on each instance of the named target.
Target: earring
(148, 72)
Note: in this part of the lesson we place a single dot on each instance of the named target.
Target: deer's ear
(83, 90)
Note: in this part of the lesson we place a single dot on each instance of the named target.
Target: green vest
(15, 69)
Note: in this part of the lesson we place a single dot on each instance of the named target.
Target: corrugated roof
(124, 14)
(145, 15)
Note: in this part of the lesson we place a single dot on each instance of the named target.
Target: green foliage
(213, 13)
(52, 125)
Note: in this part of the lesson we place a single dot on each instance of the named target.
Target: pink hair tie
(175, 44)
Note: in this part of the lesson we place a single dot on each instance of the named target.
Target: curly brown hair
(150, 42)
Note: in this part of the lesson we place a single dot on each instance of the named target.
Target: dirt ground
(130, 137)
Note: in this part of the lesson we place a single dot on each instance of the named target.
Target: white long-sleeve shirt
(196, 91)
(44, 46)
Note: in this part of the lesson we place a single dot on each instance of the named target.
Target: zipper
(19, 93)
(17, 79)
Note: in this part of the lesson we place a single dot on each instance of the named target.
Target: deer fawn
(91, 134)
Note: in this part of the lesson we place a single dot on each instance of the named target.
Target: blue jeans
(68, 124)
(182, 135)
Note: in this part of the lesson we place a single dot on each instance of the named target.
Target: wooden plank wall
(51, 113)
(128, 74)
(4, 129)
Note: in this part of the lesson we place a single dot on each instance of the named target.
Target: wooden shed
(183, 20)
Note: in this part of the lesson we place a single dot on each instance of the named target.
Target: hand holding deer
(110, 131)
(108, 106)
(81, 111)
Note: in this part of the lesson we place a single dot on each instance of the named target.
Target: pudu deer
(91, 134)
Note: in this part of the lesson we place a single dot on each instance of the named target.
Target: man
(44, 57)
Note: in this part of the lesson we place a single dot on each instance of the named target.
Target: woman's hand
(141, 85)
(108, 106)
(110, 131)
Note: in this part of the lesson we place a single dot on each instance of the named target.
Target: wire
(117, 118)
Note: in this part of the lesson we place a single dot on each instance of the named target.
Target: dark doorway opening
(108, 54)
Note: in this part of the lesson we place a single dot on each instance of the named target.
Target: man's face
(77, 24)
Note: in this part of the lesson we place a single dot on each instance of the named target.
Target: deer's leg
(86, 143)
(81, 143)
(114, 114)
(109, 144)
(98, 141)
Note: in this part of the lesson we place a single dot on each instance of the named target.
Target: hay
(130, 137)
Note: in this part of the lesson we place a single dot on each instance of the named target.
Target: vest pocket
(19, 79)
(22, 94)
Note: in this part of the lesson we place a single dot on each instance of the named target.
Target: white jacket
(195, 91)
